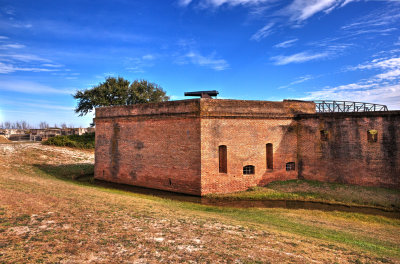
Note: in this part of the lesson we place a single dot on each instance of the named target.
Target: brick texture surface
(174, 145)
(347, 156)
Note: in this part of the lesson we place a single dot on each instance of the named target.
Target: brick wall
(157, 149)
(174, 145)
(346, 156)
(245, 127)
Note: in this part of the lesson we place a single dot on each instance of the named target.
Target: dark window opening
(324, 135)
(170, 182)
(223, 159)
(372, 135)
(248, 169)
(290, 166)
(270, 156)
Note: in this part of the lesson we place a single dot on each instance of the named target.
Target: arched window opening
(223, 159)
(270, 156)
(290, 166)
(248, 169)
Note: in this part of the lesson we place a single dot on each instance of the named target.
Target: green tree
(118, 91)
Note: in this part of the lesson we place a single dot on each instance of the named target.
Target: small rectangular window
(223, 159)
(249, 169)
(290, 166)
(372, 135)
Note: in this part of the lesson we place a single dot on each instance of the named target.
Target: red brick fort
(203, 146)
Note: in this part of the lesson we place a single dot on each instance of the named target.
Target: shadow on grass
(81, 172)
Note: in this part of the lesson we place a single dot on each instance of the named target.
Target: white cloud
(390, 75)
(139, 64)
(12, 46)
(263, 32)
(207, 61)
(148, 57)
(21, 25)
(217, 3)
(24, 57)
(286, 44)
(31, 88)
(8, 68)
(184, 2)
(52, 65)
(300, 79)
(298, 58)
(382, 63)
(301, 10)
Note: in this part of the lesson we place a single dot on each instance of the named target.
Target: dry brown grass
(44, 219)
(3, 139)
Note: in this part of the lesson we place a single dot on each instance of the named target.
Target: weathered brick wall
(174, 145)
(156, 148)
(245, 127)
(246, 141)
(347, 156)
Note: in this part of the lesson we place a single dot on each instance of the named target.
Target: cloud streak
(263, 32)
(209, 61)
(286, 44)
(31, 88)
(298, 57)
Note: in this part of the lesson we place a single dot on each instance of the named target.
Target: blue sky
(245, 49)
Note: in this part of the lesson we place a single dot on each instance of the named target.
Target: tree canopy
(118, 91)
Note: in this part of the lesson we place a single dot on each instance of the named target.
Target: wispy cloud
(381, 63)
(263, 32)
(286, 44)
(300, 10)
(24, 57)
(298, 57)
(31, 87)
(188, 53)
(12, 46)
(209, 61)
(8, 68)
(11, 61)
(299, 80)
(184, 2)
(139, 64)
(218, 3)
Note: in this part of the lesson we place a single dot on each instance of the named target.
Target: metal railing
(326, 106)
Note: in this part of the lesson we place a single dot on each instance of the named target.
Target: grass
(320, 191)
(52, 211)
(85, 141)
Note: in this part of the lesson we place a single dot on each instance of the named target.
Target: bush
(85, 141)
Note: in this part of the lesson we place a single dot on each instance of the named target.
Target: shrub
(85, 141)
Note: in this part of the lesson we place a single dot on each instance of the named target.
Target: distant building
(203, 146)
(42, 134)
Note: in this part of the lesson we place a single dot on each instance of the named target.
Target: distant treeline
(26, 125)
(85, 141)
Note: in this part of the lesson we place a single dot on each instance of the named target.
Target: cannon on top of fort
(203, 94)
